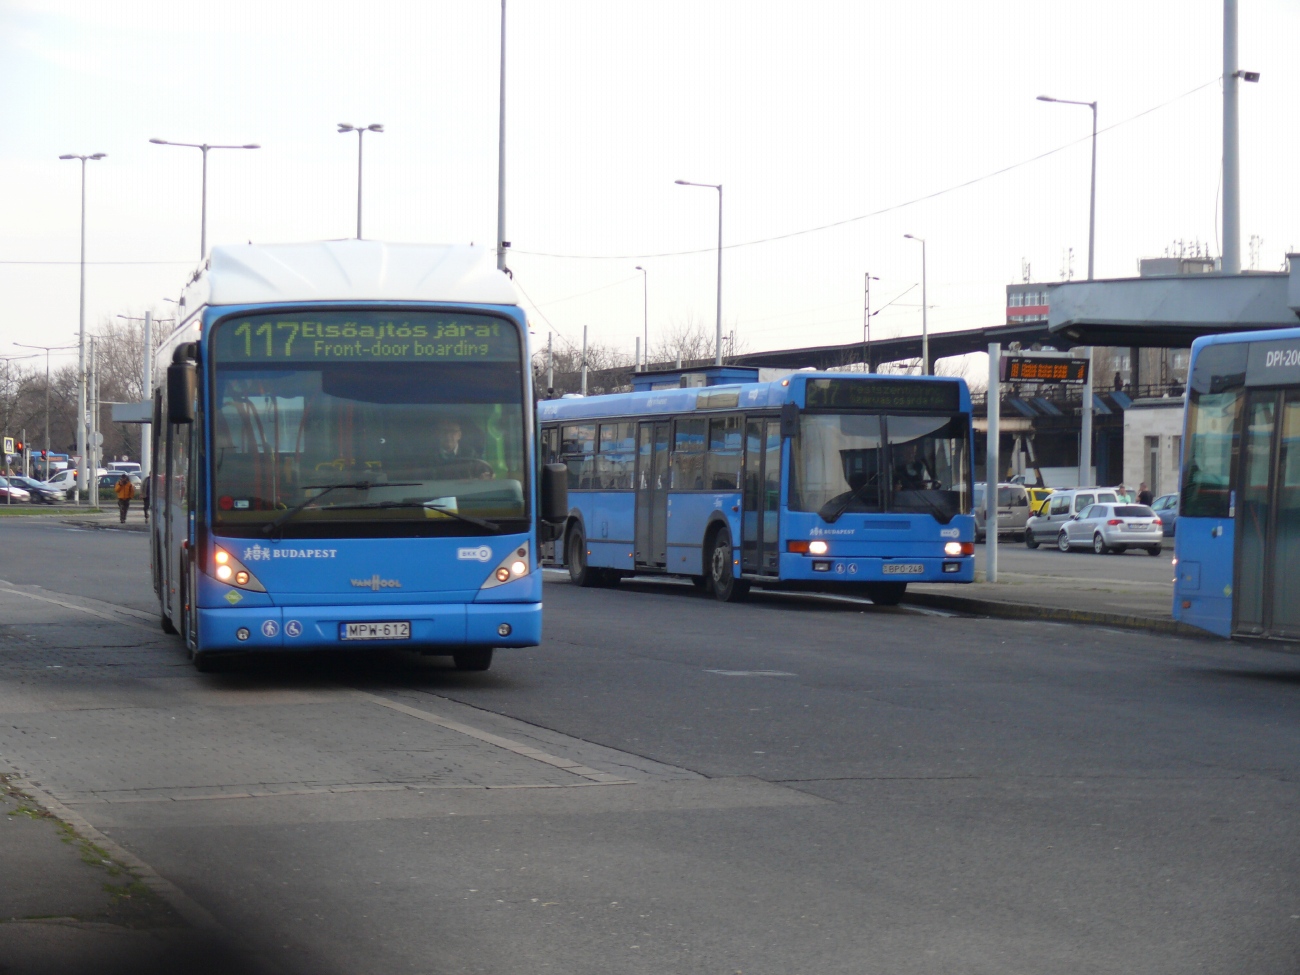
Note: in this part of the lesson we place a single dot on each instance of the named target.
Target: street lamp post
(717, 357)
(360, 130)
(925, 313)
(645, 318)
(203, 210)
(81, 344)
(868, 277)
(1085, 414)
(47, 349)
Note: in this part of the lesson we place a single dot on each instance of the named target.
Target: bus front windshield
(853, 462)
(363, 436)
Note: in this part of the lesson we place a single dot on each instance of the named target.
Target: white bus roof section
(349, 270)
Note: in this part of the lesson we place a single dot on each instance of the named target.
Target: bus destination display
(360, 336)
(883, 394)
(1044, 369)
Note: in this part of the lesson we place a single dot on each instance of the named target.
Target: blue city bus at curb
(1237, 550)
(831, 482)
(344, 456)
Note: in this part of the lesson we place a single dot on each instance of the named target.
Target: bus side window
(577, 449)
(616, 458)
(723, 464)
(688, 455)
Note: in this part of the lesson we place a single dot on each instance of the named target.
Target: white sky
(808, 114)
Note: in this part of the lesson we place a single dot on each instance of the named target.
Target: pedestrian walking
(125, 491)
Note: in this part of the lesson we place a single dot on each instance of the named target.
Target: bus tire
(575, 556)
(472, 658)
(205, 663)
(726, 587)
(886, 593)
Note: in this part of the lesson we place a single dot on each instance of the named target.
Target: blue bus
(1237, 550)
(833, 482)
(344, 455)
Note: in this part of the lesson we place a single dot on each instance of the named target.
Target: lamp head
(344, 127)
(160, 142)
(99, 155)
(640, 268)
(1046, 98)
(375, 128)
(253, 146)
(68, 157)
(681, 182)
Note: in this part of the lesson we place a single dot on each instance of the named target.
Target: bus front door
(652, 494)
(762, 497)
(1267, 569)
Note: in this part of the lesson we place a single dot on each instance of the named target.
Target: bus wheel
(575, 554)
(205, 663)
(472, 658)
(726, 587)
(886, 593)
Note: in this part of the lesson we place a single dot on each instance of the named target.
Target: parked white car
(66, 481)
(1112, 528)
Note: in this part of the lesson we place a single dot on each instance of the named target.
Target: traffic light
(19, 446)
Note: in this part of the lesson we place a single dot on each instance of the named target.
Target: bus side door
(760, 528)
(652, 493)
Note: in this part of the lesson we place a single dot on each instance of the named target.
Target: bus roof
(348, 270)
(751, 396)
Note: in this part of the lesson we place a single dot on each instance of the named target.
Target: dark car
(41, 493)
(1166, 506)
(11, 494)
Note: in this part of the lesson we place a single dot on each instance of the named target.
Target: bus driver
(449, 455)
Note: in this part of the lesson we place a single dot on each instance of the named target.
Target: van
(117, 466)
(1013, 510)
(1061, 506)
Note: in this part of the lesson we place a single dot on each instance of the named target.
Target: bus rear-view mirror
(182, 381)
(554, 501)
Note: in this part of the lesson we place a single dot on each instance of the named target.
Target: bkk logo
(481, 554)
(374, 583)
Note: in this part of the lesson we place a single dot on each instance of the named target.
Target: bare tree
(608, 370)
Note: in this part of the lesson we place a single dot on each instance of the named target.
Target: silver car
(1112, 528)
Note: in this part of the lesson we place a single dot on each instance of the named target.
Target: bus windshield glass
(853, 462)
(367, 422)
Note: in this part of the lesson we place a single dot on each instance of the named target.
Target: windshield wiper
(833, 514)
(325, 489)
(939, 513)
(372, 505)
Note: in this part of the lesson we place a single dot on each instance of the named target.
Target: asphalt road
(792, 785)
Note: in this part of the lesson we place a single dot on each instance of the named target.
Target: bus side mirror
(182, 381)
(789, 420)
(555, 501)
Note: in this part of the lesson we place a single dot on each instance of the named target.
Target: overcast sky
(868, 119)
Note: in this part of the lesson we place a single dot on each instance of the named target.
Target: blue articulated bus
(344, 455)
(1237, 548)
(834, 482)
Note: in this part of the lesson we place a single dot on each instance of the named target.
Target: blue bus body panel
(1203, 576)
(608, 520)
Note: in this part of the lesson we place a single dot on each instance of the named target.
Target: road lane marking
(752, 673)
(518, 748)
(112, 617)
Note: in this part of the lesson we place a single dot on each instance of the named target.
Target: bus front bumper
(432, 625)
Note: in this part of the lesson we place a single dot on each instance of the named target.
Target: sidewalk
(105, 518)
(1058, 594)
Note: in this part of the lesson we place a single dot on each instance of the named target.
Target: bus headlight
(952, 548)
(514, 566)
(228, 569)
(818, 547)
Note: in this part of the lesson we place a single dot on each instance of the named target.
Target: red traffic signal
(18, 446)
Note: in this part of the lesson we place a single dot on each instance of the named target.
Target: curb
(108, 525)
(1025, 611)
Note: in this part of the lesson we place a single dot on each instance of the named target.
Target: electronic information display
(1041, 369)
(379, 335)
(883, 394)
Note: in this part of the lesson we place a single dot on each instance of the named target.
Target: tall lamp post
(360, 130)
(81, 342)
(925, 313)
(1085, 415)
(203, 207)
(868, 277)
(717, 356)
(645, 318)
(47, 350)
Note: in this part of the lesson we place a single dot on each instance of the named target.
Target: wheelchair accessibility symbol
(270, 628)
(293, 628)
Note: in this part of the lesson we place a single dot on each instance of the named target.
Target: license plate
(1139, 524)
(902, 569)
(392, 630)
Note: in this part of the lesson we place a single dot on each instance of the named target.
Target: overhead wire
(874, 213)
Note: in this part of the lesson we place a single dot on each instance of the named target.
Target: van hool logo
(374, 583)
(480, 554)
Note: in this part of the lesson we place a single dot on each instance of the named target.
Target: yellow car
(1037, 498)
